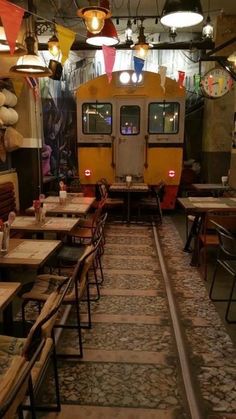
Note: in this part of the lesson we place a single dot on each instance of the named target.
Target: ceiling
(64, 13)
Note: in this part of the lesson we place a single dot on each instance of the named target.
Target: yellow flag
(18, 86)
(66, 38)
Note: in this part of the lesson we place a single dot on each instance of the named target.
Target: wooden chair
(45, 285)
(151, 205)
(208, 236)
(24, 361)
(226, 259)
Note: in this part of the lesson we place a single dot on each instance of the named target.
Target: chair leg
(56, 378)
(229, 302)
(77, 308)
(213, 283)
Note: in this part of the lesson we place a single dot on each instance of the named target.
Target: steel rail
(184, 363)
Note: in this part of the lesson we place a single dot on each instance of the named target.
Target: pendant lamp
(94, 16)
(207, 30)
(4, 46)
(142, 46)
(30, 64)
(182, 13)
(108, 36)
(53, 45)
(232, 58)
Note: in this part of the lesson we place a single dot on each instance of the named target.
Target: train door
(130, 138)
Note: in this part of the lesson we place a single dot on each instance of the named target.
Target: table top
(210, 186)
(77, 206)
(51, 224)
(32, 253)
(7, 292)
(72, 198)
(134, 187)
(201, 204)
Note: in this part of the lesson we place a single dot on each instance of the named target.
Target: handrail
(146, 151)
(113, 151)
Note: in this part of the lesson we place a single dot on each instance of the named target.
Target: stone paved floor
(130, 369)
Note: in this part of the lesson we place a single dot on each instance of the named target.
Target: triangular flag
(11, 16)
(109, 54)
(138, 66)
(66, 38)
(181, 79)
(162, 72)
(197, 81)
(18, 86)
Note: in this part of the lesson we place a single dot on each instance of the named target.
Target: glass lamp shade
(108, 36)
(53, 46)
(4, 46)
(182, 13)
(142, 50)
(94, 18)
(141, 47)
(30, 64)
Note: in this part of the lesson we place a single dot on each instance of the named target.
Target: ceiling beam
(204, 45)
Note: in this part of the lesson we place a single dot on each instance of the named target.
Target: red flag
(109, 54)
(11, 16)
(181, 79)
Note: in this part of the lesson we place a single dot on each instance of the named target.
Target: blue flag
(138, 66)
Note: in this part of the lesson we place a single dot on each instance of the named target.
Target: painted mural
(59, 127)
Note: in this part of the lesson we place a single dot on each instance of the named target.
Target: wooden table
(59, 225)
(32, 253)
(199, 206)
(215, 188)
(78, 206)
(8, 290)
(128, 190)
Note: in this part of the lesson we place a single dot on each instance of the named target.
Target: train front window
(163, 118)
(97, 118)
(129, 120)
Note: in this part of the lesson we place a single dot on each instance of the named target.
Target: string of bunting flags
(11, 16)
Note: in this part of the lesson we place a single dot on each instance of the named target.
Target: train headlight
(124, 77)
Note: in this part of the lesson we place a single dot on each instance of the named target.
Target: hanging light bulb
(232, 58)
(207, 30)
(142, 46)
(181, 13)
(30, 64)
(94, 16)
(53, 45)
(172, 33)
(128, 33)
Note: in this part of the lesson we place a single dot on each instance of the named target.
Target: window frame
(95, 104)
(139, 120)
(164, 132)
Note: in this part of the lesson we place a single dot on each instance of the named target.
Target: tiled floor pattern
(130, 368)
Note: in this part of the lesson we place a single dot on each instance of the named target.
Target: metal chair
(226, 259)
(24, 361)
(45, 284)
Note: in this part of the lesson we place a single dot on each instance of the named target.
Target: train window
(97, 118)
(163, 118)
(129, 120)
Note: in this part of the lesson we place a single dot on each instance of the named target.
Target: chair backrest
(159, 191)
(7, 200)
(227, 241)
(42, 328)
(14, 383)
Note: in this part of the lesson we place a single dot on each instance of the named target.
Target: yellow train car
(131, 127)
